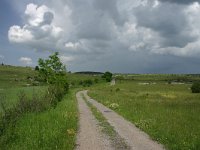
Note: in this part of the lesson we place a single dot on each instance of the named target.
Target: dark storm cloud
(168, 20)
(121, 36)
(47, 18)
(180, 1)
(95, 19)
(110, 7)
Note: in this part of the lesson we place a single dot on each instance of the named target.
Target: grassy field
(9, 96)
(169, 113)
(11, 76)
(81, 80)
(54, 128)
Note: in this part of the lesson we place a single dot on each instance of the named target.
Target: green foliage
(108, 76)
(53, 72)
(37, 103)
(37, 68)
(195, 87)
(117, 89)
(51, 69)
(44, 130)
(96, 80)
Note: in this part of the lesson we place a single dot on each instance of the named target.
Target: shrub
(117, 89)
(195, 87)
(96, 80)
(108, 76)
(37, 68)
(87, 82)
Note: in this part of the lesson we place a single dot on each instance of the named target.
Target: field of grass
(11, 76)
(160, 77)
(80, 80)
(54, 128)
(169, 113)
(9, 96)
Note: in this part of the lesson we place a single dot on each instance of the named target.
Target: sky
(121, 36)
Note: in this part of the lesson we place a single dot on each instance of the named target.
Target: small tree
(52, 69)
(108, 76)
(195, 87)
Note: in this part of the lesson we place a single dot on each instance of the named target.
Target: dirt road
(134, 137)
(89, 137)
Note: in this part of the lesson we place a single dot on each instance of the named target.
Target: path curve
(135, 138)
(89, 136)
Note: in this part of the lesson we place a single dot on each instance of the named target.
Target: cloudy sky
(140, 36)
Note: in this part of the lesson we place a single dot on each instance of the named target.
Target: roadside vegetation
(117, 142)
(167, 111)
(38, 108)
(107, 76)
(195, 87)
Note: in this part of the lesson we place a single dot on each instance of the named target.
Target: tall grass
(35, 118)
(52, 129)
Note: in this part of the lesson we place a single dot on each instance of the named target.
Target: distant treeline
(90, 73)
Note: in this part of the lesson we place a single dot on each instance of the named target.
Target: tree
(52, 70)
(108, 76)
(37, 68)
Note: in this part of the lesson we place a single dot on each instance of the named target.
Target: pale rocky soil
(89, 137)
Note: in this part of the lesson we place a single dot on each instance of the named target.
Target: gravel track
(89, 136)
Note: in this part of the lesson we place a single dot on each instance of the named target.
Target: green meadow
(49, 128)
(168, 112)
(161, 105)
(53, 128)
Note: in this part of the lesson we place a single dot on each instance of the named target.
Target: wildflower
(70, 132)
(114, 106)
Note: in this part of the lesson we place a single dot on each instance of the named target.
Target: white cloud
(38, 30)
(35, 14)
(137, 38)
(71, 45)
(26, 60)
(66, 59)
(19, 35)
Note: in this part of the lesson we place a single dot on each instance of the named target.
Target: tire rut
(89, 135)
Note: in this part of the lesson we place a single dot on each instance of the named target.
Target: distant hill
(89, 73)
(11, 76)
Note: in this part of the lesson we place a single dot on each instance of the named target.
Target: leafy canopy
(52, 69)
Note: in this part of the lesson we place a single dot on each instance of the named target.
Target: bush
(195, 87)
(87, 82)
(117, 89)
(108, 76)
(96, 80)
(37, 103)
